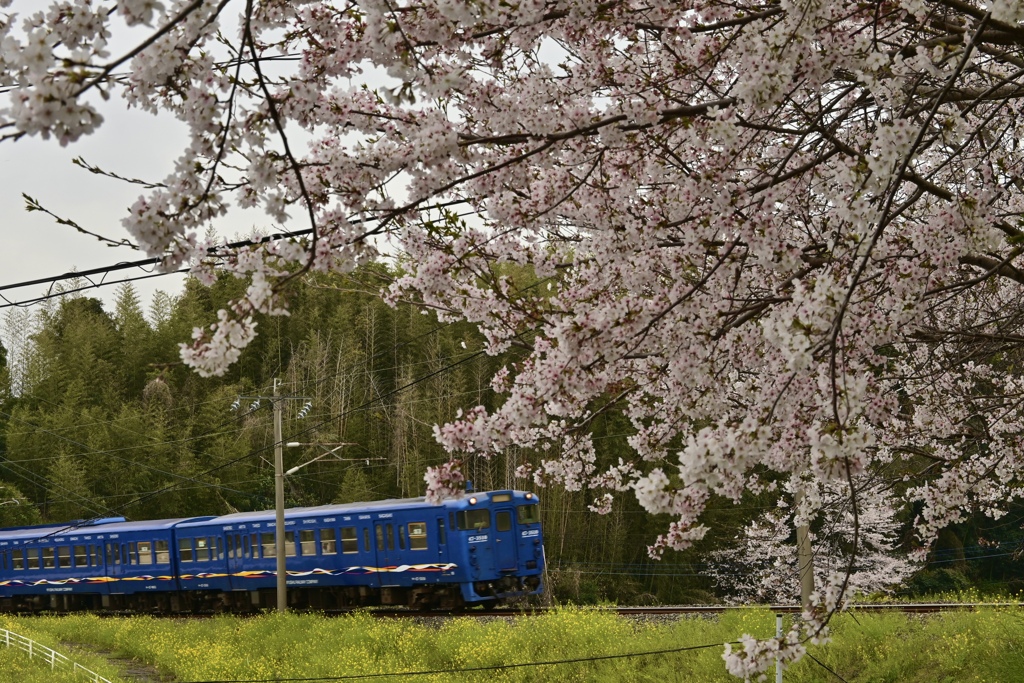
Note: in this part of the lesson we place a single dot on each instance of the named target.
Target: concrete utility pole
(277, 401)
(282, 571)
(805, 558)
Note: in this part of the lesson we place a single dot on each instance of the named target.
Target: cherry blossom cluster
(782, 239)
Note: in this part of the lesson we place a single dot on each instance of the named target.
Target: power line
(472, 669)
(127, 265)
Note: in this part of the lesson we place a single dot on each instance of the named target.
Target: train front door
(504, 539)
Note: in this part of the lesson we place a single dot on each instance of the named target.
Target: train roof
(317, 510)
(343, 509)
(77, 529)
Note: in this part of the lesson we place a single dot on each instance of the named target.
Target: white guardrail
(54, 658)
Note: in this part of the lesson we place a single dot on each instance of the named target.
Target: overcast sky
(130, 143)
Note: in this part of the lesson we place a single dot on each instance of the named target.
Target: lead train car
(482, 549)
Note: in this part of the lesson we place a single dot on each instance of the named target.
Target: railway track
(637, 612)
(911, 608)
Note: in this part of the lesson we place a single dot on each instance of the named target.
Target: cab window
(529, 514)
(503, 520)
(473, 520)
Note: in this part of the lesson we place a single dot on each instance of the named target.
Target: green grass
(16, 667)
(986, 645)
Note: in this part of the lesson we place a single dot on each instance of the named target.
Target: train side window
(245, 546)
(255, 542)
(391, 538)
(269, 547)
(307, 542)
(145, 552)
(529, 514)
(473, 520)
(238, 547)
(33, 558)
(503, 520)
(185, 549)
(451, 521)
(81, 556)
(18, 560)
(49, 558)
(97, 555)
(163, 553)
(442, 537)
(133, 557)
(328, 542)
(418, 535)
(202, 550)
(366, 539)
(220, 548)
(380, 538)
(64, 556)
(289, 544)
(401, 537)
(231, 547)
(349, 540)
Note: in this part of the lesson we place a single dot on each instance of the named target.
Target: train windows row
(310, 542)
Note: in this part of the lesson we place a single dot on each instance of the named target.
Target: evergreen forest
(99, 418)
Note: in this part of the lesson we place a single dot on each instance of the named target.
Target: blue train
(482, 549)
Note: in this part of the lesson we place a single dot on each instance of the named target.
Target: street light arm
(299, 467)
(322, 455)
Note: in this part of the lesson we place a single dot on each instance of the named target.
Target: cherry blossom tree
(761, 567)
(782, 237)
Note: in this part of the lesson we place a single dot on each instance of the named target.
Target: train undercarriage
(303, 598)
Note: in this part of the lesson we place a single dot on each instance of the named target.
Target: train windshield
(473, 519)
(529, 514)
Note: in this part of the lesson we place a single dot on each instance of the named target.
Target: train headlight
(472, 501)
(529, 496)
